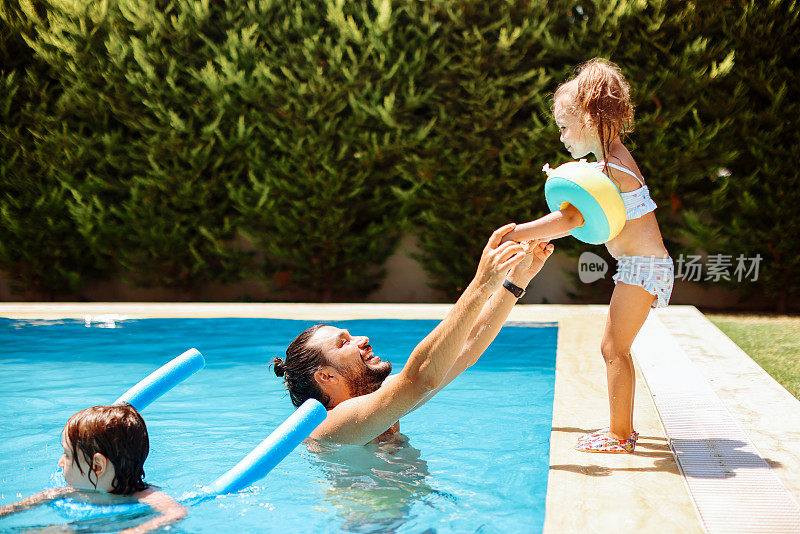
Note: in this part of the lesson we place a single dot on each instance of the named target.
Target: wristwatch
(514, 289)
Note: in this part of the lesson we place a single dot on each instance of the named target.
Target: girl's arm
(559, 236)
(556, 224)
(35, 500)
(170, 510)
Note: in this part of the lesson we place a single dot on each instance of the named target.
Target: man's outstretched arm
(494, 314)
(361, 419)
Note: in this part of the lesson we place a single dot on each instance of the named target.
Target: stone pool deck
(586, 492)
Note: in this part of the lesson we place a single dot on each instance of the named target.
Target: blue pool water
(475, 458)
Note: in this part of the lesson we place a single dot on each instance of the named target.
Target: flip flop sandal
(605, 443)
(634, 435)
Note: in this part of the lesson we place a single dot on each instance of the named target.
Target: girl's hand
(547, 169)
(537, 253)
(497, 258)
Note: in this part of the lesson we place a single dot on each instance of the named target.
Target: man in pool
(364, 403)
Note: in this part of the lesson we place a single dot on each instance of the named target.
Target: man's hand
(497, 259)
(537, 253)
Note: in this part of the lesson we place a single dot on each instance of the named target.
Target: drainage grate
(732, 486)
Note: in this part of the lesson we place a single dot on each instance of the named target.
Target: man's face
(352, 358)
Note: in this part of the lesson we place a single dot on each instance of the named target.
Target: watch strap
(514, 288)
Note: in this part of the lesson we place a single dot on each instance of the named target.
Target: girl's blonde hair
(599, 95)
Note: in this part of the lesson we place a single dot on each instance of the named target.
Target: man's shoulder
(389, 380)
(361, 419)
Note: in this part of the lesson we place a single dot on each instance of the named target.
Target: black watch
(514, 289)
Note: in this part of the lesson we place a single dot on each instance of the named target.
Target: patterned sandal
(634, 435)
(602, 442)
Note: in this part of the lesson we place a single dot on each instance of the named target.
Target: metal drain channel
(732, 486)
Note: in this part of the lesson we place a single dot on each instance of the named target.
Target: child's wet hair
(117, 432)
(600, 95)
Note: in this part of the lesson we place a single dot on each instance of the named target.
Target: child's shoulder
(147, 492)
(153, 495)
(624, 172)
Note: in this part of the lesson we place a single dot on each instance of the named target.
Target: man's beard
(367, 379)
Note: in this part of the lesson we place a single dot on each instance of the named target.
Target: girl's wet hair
(600, 95)
(117, 432)
(302, 361)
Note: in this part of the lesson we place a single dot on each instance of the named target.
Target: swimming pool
(476, 457)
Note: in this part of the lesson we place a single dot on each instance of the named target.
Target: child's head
(593, 108)
(105, 448)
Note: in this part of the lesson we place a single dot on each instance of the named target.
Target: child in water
(593, 111)
(103, 463)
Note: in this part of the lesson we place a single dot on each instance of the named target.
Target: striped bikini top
(637, 202)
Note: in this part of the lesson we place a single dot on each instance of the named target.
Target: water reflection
(374, 487)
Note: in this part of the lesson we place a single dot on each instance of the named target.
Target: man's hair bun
(279, 366)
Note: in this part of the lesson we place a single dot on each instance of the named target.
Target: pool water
(473, 459)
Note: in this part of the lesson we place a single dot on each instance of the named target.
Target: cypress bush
(751, 204)
(503, 64)
(38, 245)
(144, 191)
(480, 167)
(187, 124)
(339, 103)
(181, 143)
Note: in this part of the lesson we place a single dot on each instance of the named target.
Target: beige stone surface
(643, 491)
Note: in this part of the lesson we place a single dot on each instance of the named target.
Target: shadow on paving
(726, 454)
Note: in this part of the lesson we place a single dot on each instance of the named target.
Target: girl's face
(575, 135)
(68, 464)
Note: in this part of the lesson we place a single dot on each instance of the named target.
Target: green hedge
(504, 63)
(187, 142)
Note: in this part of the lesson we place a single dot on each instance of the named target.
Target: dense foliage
(186, 142)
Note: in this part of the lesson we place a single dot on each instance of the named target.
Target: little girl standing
(593, 111)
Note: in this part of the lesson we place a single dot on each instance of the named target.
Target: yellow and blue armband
(593, 194)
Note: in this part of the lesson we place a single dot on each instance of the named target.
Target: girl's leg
(628, 311)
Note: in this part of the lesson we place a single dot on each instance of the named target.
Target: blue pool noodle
(272, 450)
(139, 396)
(252, 467)
(163, 379)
